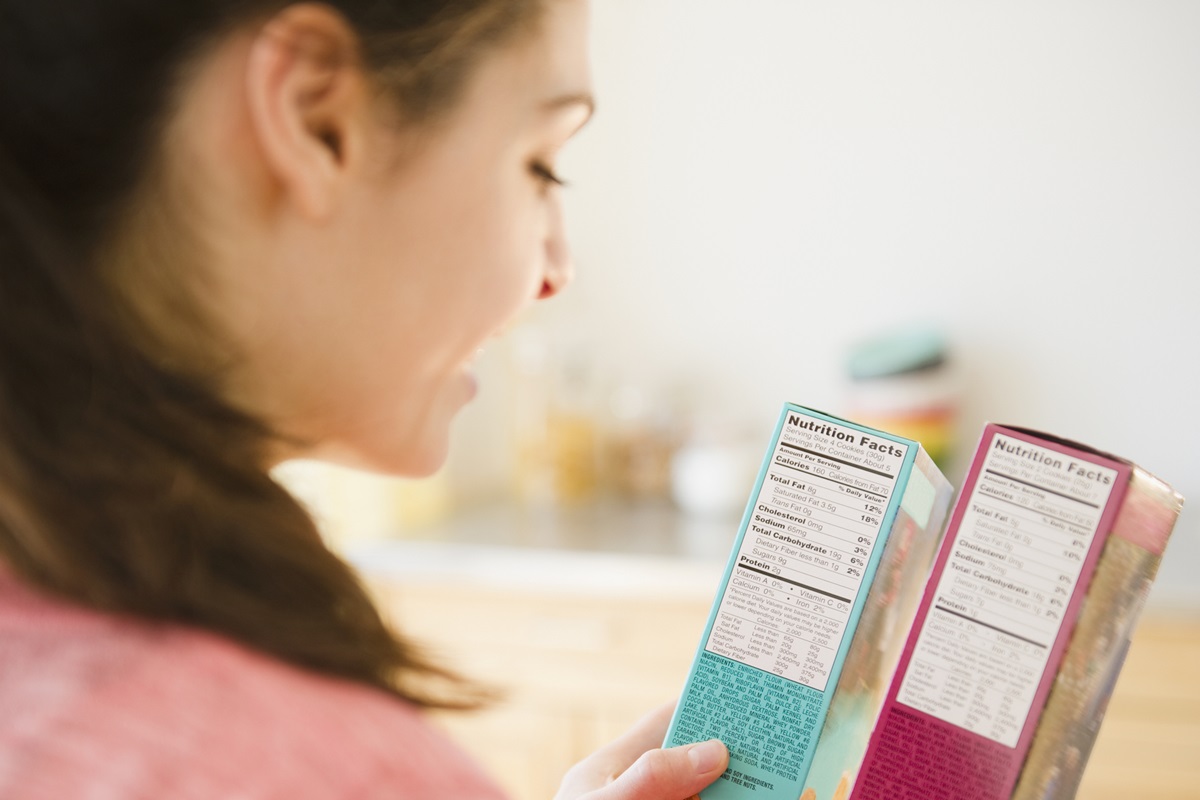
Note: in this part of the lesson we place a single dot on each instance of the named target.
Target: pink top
(96, 707)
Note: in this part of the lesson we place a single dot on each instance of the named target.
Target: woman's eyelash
(546, 174)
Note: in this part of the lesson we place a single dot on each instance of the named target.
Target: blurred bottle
(904, 382)
(351, 506)
(530, 408)
(572, 436)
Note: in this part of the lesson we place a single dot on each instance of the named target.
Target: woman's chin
(423, 464)
(470, 385)
(413, 444)
(407, 459)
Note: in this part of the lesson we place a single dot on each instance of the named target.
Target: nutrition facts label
(1026, 532)
(812, 530)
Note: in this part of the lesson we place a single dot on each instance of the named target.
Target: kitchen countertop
(606, 547)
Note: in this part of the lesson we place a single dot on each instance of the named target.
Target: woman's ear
(308, 103)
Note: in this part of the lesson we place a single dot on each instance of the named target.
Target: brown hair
(126, 482)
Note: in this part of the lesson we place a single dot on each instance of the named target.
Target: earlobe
(307, 98)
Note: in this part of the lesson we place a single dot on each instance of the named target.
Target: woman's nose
(559, 268)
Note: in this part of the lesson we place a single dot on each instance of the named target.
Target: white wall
(768, 180)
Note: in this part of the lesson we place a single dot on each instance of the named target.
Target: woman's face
(365, 334)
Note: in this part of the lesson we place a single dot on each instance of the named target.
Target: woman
(234, 232)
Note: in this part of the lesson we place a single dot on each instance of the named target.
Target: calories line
(1041, 488)
(838, 460)
(808, 474)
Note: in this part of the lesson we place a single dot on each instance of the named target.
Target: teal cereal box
(814, 606)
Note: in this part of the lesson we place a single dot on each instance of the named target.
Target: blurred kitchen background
(786, 201)
(927, 215)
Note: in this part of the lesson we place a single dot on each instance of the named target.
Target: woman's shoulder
(160, 710)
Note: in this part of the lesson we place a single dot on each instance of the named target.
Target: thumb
(669, 774)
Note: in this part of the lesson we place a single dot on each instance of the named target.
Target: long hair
(126, 482)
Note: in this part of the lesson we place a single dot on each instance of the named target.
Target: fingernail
(707, 755)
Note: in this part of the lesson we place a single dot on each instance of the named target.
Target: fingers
(671, 774)
(646, 734)
(633, 767)
(603, 766)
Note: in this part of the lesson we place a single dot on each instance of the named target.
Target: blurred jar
(714, 469)
(641, 436)
(555, 423)
(903, 382)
